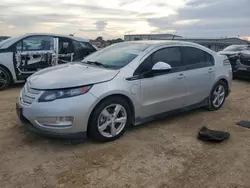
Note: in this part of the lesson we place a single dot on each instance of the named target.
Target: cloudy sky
(114, 18)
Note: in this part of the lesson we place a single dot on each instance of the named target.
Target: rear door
(199, 74)
(32, 54)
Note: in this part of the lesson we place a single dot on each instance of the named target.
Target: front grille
(245, 61)
(29, 94)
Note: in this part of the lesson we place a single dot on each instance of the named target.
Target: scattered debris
(206, 134)
(245, 124)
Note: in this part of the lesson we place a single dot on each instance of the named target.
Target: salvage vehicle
(123, 84)
(241, 64)
(22, 56)
(234, 49)
(239, 57)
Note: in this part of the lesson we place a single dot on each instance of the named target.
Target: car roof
(8, 42)
(156, 43)
(164, 42)
(58, 35)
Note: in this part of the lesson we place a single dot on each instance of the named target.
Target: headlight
(52, 95)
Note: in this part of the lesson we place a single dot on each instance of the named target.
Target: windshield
(117, 56)
(5, 43)
(235, 48)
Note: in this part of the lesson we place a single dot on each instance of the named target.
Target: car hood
(70, 75)
(228, 52)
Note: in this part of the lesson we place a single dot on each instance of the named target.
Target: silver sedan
(125, 84)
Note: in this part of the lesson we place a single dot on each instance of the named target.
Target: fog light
(62, 121)
(66, 119)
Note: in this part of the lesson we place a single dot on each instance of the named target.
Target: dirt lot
(164, 153)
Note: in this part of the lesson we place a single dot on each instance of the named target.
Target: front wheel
(109, 119)
(218, 96)
(5, 78)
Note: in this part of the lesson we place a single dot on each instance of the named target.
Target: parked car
(126, 83)
(241, 64)
(234, 49)
(23, 55)
(238, 56)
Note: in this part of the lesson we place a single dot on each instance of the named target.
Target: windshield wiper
(96, 63)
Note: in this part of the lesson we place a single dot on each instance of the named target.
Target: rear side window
(195, 56)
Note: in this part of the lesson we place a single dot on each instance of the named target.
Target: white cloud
(114, 18)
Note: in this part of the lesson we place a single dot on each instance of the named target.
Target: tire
(5, 78)
(101, 117)
(217, 105)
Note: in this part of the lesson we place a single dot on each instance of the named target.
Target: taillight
(226, 62)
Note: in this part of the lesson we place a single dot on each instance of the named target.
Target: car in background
(239, 57)
(125, 83)
(22, 56)
(234, 49)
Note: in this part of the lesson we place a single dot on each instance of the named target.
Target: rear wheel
(5, 78)
(109, 119)
(218, 96)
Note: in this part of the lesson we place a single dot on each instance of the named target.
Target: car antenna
(72, 34)
(174, 35)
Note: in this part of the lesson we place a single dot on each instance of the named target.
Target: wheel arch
(123, 96)
(223, 79)
(226, 82)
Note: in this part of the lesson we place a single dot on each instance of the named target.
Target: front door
(32, 54)
(165, 91)
(200, 74)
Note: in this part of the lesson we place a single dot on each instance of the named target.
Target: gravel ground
(163, 153)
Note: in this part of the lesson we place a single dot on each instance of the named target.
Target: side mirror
(161, 66)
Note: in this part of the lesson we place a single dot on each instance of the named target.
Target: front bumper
(72, 136)
(79, 107)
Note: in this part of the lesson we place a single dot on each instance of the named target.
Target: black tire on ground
(4, 75)
(93, 131)
(211, 106)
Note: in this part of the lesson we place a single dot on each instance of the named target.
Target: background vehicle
(241, 64)
(24, 55)
(234, 49)
(126, 83)
(238, 56)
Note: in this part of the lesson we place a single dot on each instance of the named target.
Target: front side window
(195, 56)
(36, 43)
(118, 55)
(171, 55)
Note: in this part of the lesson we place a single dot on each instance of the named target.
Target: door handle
(181, 76)
(210, 70)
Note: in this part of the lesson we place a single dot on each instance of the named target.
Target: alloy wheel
(218, 96)
(112, 120)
